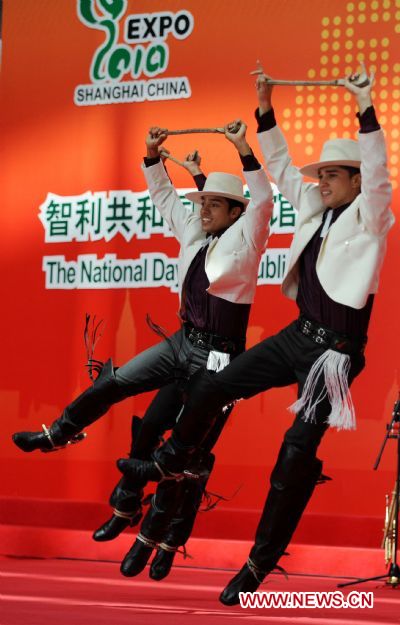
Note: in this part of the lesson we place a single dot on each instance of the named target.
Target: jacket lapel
(302, 237)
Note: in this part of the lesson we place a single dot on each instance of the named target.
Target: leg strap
(124, 515)
(146, 541)
(73, 440)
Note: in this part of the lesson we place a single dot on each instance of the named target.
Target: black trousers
(159, 417)
(278, 361)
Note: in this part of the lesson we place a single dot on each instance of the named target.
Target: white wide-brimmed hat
(343, 152)
(220, 185)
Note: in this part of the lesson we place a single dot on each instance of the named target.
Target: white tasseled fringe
(217, 361)
(335, 367)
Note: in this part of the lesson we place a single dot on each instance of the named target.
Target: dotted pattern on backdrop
(345, 41)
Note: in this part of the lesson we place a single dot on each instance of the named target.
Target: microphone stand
(393, 575)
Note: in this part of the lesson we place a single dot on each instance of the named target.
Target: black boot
(163, 506)
(247, 580)
(181, 525)
(84, 410)
(50, 439)
(125, 500)
(169, 462)
(113, 527)
(140, 471)
(188, 496)
(120, 519)
(293, 480)
(201, 409)
(137, 556)
(152, 528)
(162, 562)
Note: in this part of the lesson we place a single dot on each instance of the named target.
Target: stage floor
(80, 592)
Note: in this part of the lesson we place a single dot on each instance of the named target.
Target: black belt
(330, 339)
(207, 340)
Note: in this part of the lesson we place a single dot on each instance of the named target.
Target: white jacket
(351, 255)
(232, 259)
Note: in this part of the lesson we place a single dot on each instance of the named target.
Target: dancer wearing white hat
(221, 243)
(333, 273)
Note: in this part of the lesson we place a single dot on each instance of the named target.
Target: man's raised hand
(362, 93)
(192, 163)
(264, 89)
(154, 139)
(235, 132)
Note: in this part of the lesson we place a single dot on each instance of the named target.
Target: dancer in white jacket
(335, 260)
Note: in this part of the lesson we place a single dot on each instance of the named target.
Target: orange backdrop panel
(52, 145)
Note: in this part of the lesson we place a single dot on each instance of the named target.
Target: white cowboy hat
(220, 185)
(343, 152)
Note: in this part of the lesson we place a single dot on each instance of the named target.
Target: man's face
(215, 214)
(337, 187)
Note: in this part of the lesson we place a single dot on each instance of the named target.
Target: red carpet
(58, 574)
(47, 592)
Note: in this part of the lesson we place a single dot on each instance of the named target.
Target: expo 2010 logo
(135, 51)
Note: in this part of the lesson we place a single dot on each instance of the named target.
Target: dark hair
(353, 171)
(233, 203)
